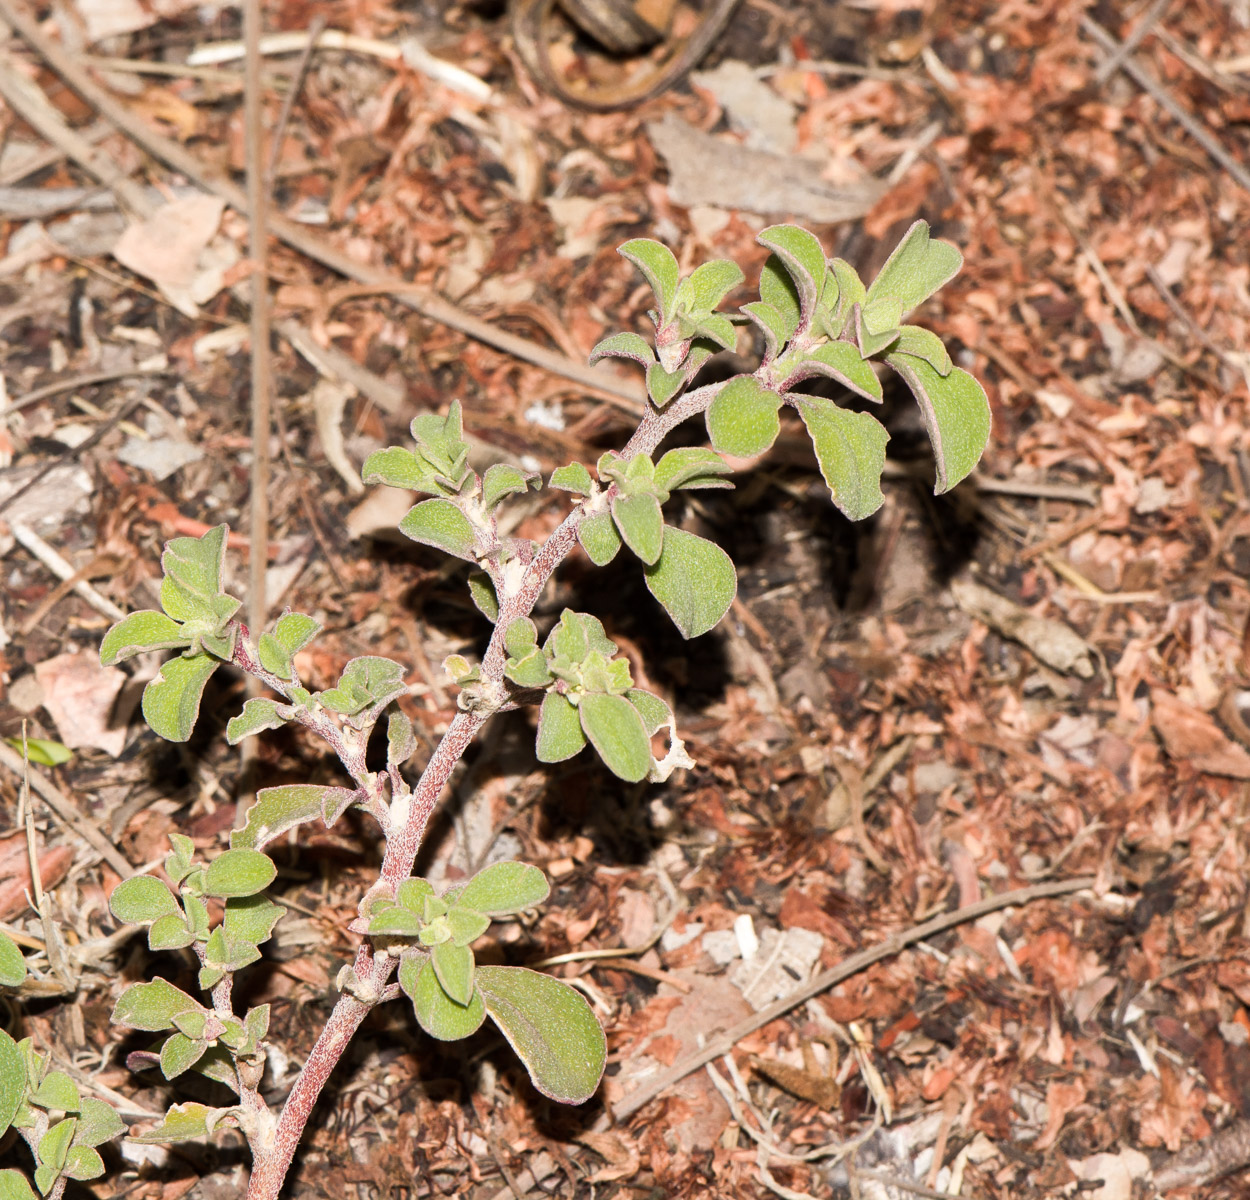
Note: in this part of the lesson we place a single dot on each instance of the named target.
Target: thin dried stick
(1112, 64)
(316, 25)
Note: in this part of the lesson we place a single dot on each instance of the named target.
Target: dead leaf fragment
(78, 694)
(1114, 1172)
(1052, 642)
(1190, 735)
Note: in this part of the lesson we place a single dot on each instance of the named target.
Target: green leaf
(691, 467)
(54, 1145)
(239, 872)
(520, 637)
(616, 731)
(45, 1177)
(195, 563)
(151, 1006)
(441, 524)
(503, 480)
(453, 965)
(13, 1186)
(182, 1123)
(367, 682)
(712, 282)
(141, 900)
(640, 524)
(97, 1123)
(916, 269)
(397, 467)
(170, 933)
(82, 1162)
(41, 751)
(577, 635)
(841, 361)
(138, 633)
(663, 385)
(599, 538)
(466, 925)
(657, 263)
(655, 713)
(291, 633)
(440, 443)
(573, 478)
(482, 593)
(12, 969)
(850, 293)
(401, 741)
(623, 345)
(956, 413)
(850, 447)
(279, 809)
(773, 324)
(505, 887)
(716, 328)
(57, 1090)
(178, 861)
(437, 1013)
(551, 1028)
(779, 293)
(180, 1053)
(560, 733)
(259, 714)
(694, 580)
(171, 701)
(803, 258)
(251, 919)
(397, 921)
(925, 344)
(530, 670)
(226, 954)
(743, 419)
(412, 894)
(869, 342)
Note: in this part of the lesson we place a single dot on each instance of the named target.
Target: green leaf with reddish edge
(97, 1123)
(840, 361)
(599, 538)
(710, 283)
(170, 933)
(441, 524)
(660, 268)
(437, 1013)
(530, 671)
(182, 1123)
(694, 580)
(779, 293)
(151, 1006)
(956, 413)
(917, 268)
(291, 633)
(505, 887)
(412, 893)
(259, 713)
(623, 345)
(773, 324)
(716, 328)
(395, 921)
(743, 419)
(655, 713)
(482, 593)
(560, 733)
(871, 343)
(925, 344)
(171, 701)
(239, 872)
(691, 467)
(573, 478)
(616, 731)
(12, 966)
(14, 1186)
(520, 637)
(502, 480)
(179, 1054)
(195, 563)
(850, 293)
(141, 900)
(551, 1028)
(466, 925)
(401, 741)
(453, 965)
(640, 524)
(663, 385)
(575, 636)
(850, 447)
(397, 467)
(82, 1162)
(278, 809)
(56, 1091)
(54, 1145)
(251, 919)
(139, 633)
(803, 258)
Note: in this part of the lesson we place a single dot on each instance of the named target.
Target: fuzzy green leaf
(482, 593)
(239, 872)
(278, 809)
(505, 887)
(259, 713)
(396, 921)
(712, 282)
(655, 713)
(171, 701)
(616, 731)
(56, 1090)
(663, 385)
(14, 1186)
(97, 1123)
(716, 328)
(803, 258)
(956, 413)
(657, 263)
(551, 1028)
(401, 740)
(141, 900)
(54, 1145)
(925, 344)
(170, 933)
(623, 345)
(12, 968)
(694, 580)
(141, 632)
(82, 1162)
(916, 269)
(466, 925)
(182, 1123)
(453, 965)
(872, 342)
(599, 538)
(743, 419)
(437, 1013)
(640, 524)
(291, 633)
(251, 919)
(180, 1053)
(439, 523)
(691, 467)
(573, 478)
(367, 682)
(850, 447)
(151, 1006)
(773, 324)
(412, 893)
(397, 467)
(575, 636)
(195, 563)
(560, 733)
(503, 480)
(841, 361)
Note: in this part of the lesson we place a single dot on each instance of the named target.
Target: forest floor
(1041, 677)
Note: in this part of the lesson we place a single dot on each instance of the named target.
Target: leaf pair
(438, 466)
